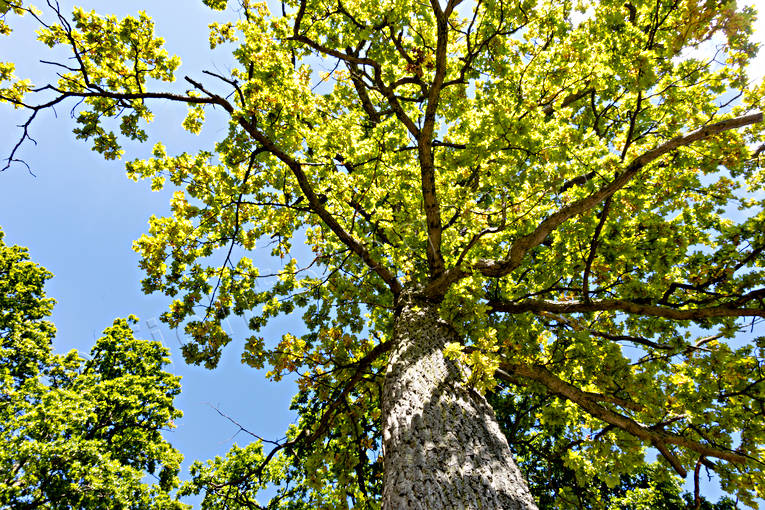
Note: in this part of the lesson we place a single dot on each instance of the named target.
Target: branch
(331, 409)
(63, 95)
(231, 82)
(361, 90)
(241, 427)
(593, 249)
(712, 279)
(696, 491)
(571, 98)
(595, 397)
(376, 231)
(268, 144)
(608, 336)
(318, 207)
(313, 199)
(657, 438)
(297, 36)
(425, 144)
(501, 267)
(577, 181)
(522, 245)
(123, 96)
(623, 305)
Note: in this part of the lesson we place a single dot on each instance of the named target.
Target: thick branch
(313, 200)
(425, 146)
(594, 397)
(522, 245)
(658, 438)
(623, 305)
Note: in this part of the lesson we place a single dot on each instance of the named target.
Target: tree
(564, 199)
(74, 432)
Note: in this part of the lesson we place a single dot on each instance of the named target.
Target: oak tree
(548, 198)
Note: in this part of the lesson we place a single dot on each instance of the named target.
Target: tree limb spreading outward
(626, 306)
(520, 247)
(589, 402)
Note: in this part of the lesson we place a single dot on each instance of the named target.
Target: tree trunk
(442, 445)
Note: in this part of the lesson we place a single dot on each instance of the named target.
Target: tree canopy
(576, 187)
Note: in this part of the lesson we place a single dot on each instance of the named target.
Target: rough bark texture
(443, 448)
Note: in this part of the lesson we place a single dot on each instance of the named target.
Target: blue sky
(79, 215)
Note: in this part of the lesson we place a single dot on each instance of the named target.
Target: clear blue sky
(80, 214)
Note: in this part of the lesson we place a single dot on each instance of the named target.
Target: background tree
(74, 432)
(564, 196)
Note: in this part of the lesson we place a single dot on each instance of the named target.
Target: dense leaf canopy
(578, 184)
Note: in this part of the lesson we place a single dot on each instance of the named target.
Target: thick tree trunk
(443, 448)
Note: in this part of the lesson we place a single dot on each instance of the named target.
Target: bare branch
(241, 427)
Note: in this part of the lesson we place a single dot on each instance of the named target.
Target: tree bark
(442, 445)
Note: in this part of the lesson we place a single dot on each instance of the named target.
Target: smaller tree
(75, 432)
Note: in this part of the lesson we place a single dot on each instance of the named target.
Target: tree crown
(563, 179)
